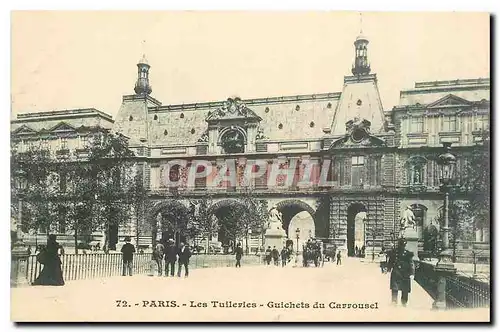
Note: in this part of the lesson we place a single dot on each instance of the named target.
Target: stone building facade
(378, 161)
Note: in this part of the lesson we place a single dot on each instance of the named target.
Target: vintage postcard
(190, 166)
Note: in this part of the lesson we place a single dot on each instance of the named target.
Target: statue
(275, 235)
(408, 220)
(275, 219)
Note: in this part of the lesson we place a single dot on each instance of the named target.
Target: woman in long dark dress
(51, 274)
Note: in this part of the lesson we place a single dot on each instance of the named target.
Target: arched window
(415, 169)
(233, 141)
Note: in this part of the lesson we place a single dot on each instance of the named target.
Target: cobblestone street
(268, 287)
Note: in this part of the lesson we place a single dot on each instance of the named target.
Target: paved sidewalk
(268, 287)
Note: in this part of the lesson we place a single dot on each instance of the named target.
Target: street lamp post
(249, 234)
(19, 250)
(447, 163)
(297, 235)
(445, 266)
(21, 187)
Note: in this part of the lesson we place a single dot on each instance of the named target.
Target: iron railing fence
(461, 291)
(466, 292)
(101, 265)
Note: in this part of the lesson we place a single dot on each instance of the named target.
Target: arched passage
(292, 208)
(169, 221)
(356, 216)
(228, 213)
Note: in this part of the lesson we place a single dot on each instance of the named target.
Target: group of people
(275, 255)
(359, 252)
(163, 251)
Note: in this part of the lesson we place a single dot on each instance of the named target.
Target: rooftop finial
(360, 23)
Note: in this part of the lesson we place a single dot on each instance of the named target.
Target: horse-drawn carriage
(312, 253)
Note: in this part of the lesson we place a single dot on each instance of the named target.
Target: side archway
(169, 219)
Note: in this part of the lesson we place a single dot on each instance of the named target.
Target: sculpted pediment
(232, 109)
(348, 142)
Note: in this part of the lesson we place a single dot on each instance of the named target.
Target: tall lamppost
(21, 184)
(445, 266)
(297, 235)
(19, 253)
(249, 234)
(447, 163)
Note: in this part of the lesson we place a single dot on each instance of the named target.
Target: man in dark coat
(239, 253)
(184, 254)
(268, 255)
(276, 255)
(128, 250)
(400, 264)
(170, 258)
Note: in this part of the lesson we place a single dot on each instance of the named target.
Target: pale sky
(65, 60)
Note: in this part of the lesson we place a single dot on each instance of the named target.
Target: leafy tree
(89, 193)
(478, 182)
(202, 222)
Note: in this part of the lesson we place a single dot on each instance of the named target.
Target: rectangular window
(84, 141)
(44, 144)
(482, 122)
(417, 124)
(357, 165)
(449, 124)
(64, 143)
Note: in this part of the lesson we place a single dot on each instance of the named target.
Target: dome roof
(361, 37)
(143, 60)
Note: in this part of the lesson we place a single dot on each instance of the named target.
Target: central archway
(356, 216)
(290, 208)
(227, 212)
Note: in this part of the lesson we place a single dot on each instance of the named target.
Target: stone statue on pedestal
(275, 235)
(407, 221)
(275, 219)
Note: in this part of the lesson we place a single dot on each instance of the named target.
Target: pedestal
(274, 238)
(411, 237)
(19, 266)
(443, 269)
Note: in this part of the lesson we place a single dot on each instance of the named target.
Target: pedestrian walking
(400, 265)
(239, 253)
(284, 257)
(276, 255)
(382, 257)
(170, 258)
(49, 257)
(268, 255)
(128, 250)
(184, 254)
(339, 258)
(157, 259)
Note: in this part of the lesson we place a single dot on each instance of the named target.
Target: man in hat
(128, 250)
(170, 257)
(400, 264)
(184, 254)
(239, 253)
